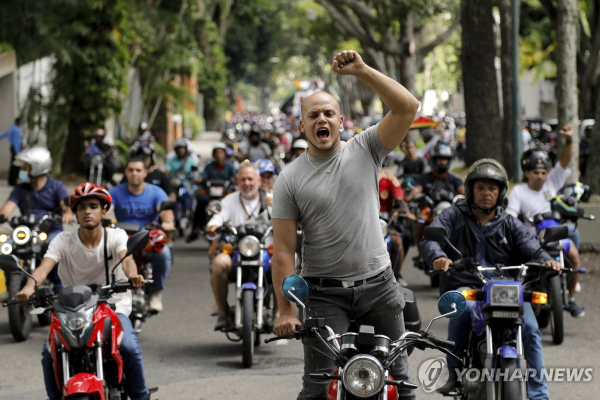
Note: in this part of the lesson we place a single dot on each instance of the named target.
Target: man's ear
(301, 124)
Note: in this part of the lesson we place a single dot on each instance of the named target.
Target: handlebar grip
(400, 384)
(293, 335)
(446, 344)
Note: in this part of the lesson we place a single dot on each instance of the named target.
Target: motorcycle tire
(247, 327)
(81, 396)
(556, 310)
(508, 389)
(19, 318)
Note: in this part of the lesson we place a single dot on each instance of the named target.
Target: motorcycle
(185, 206)
(495, 342)
(216, 189)
(251, 256)
(429, 207)
(28, 244)
(85, 334)
(364, 359)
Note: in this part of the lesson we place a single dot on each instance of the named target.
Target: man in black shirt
(412, 166)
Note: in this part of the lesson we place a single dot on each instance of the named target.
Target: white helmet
(300, 144)
(38, 157)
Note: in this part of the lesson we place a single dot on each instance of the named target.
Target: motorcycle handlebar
(293, 335)
(446, 344)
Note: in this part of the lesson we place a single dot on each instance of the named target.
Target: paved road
(188, 360)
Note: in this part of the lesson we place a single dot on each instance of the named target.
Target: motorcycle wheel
(509, 389)
(81, 396)
(556, 310)
(248, 327)
(19, 318)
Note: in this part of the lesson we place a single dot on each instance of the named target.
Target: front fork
(259, 295)
(490, 363)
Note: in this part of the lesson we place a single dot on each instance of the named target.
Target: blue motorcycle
(251, 255)
(185, 207)
(495, 343)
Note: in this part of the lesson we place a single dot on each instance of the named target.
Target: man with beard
(238, 207)
(331, 190)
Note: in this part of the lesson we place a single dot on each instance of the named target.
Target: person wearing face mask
(38, 194)
(238, 207)
(254, 148)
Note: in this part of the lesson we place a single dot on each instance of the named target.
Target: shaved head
(319, 96)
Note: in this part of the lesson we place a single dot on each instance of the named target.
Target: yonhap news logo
(433, 374)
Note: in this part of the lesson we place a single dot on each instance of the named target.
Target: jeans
(377, 303)
(132, 365)
(161, 264)
(537, 388)
(574, 234)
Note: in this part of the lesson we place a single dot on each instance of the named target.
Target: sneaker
(450, 385)
(575, 310)
(224, 323)
(402, 281)
(155, 302)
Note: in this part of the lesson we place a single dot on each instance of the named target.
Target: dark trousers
(13, 172)
(377, 303)
(200, 213)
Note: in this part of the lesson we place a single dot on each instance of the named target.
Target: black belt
(326, 282)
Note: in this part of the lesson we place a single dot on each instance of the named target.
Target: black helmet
(440, 151)
(144, 151)
(534, 159)
(486, 168)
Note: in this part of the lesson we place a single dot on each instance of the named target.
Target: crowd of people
(304, 175)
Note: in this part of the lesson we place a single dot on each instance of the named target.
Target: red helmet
(89, 191)
(156, 241)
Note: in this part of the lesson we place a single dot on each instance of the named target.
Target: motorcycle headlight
(6, 248)
(3, 238)
(249, 246)
(21, 235)
(384, 227)
(43, 236)
(76, 321)
(363, 376)
(505, 295)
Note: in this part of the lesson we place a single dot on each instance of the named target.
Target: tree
(482, 107)
(566, 85)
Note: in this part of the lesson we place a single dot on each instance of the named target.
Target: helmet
(217, 146)
(487, 168)
(300, 144)
(265, 165)
(534, 159)
(440, 151)
(144, 150)
(157, 240)
(180, 143)
(38, 157)
(89, 191)
(99, 132)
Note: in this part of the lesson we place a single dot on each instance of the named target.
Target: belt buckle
(347, 284)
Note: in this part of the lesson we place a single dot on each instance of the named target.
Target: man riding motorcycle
(81, 256)
(238, 207)
(540, 184)
(101, 145)
(181, 162)
(254, 148)
(218, 169)
(38, 194)
(480, 228)
(147, 152)
(138, 202)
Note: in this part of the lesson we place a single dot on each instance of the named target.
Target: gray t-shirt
(338, 211)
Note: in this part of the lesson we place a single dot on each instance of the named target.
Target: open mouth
(323, 133)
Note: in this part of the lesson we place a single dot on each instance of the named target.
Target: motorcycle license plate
(251, 263)
(505, 314)
(217, 191)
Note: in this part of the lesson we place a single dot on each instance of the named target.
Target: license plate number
(505, 314)
(217, 191)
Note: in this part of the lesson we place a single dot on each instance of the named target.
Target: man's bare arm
(284, 249)
(402, 104)
(40, 274)
(8, 208)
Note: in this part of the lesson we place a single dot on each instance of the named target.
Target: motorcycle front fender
(84, 383)
(507, 352)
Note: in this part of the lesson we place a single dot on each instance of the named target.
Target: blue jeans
(132, 365)
(574, 235)
(377, 303)
(537, 388)
(161, 264)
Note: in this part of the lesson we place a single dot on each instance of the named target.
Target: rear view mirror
(295, 288)
(555, 233)
(450, 301)
(436, 234)
(137, 242)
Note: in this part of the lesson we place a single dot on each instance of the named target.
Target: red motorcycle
(85, 333)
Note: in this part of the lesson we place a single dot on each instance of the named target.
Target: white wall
(8, 99)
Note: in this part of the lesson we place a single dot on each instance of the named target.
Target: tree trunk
(484, 136)
(408, 60)
(566, 79)
(592, 173)
(506, 60)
